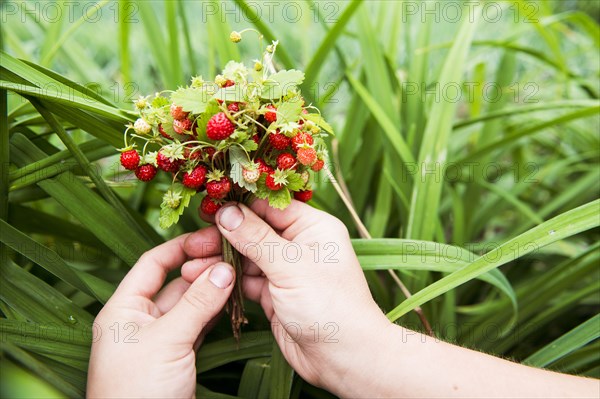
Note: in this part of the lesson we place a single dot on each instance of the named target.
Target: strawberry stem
(235, 303)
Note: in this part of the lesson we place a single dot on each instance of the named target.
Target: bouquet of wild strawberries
(247, 134)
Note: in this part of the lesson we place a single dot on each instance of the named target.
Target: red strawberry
(263, 167)
(177, 112)
(233, 107)
(166, 164)
(304, 195)
(195, 178)
(271, 184)
(256, 138)
(130, 159)
(189, 152)
(228, 83)
(301, 138)
(145, 172)
(286, 161)
(279, 141)
(218, 189)
(163, 133)
(271, 115)
(306, 155)
(210, 152)
(219, 127)
(210, 206)
(318, 165)
(182, 126)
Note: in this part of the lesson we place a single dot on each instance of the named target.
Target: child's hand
(144, 340)
(300, 266)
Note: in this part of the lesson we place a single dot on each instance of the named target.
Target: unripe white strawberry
(142, 127)
(251, 173)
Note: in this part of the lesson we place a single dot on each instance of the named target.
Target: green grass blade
(574, 339)
(281, 375)
(565, 225)
(433, 154)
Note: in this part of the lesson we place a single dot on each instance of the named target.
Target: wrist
(356, 367)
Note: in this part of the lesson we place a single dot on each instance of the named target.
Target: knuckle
(199, 300)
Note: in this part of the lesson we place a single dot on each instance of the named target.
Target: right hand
(301, 267)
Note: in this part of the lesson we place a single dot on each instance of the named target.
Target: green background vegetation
(498, 245)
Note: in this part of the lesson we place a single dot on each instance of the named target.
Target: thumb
(252, 237)
(202, 301)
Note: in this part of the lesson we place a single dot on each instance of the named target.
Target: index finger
(147, 276)
(290, 221)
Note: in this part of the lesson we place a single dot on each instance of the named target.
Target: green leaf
(564, 225)
(295, 181)
(574, 339)
(280, 83)
(280, 199)
(262, 191)
(289, 111)
(281, 375)
(238, 159)
(191, 99)
(168, 215)
(232, 93)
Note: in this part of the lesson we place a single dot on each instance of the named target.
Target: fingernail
(231, 217)
(221, 276)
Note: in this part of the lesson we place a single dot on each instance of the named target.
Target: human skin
(320, 288)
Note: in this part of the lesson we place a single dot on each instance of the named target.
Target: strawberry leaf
(289, 112)
(280, 199)
(295, 181)
(190, 99)
(237, 159)
(278, 84)
(159, 102)
(262, 191)
(168, 215)
(249, 145)
(233, 93)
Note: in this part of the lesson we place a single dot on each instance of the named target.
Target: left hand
(144, 337)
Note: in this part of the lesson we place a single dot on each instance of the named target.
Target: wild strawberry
(271, 183)
(228, 83)
(305, 176)
(162, 132)
(195, 178)
(256, 138)
(168, 164)
(318, 165)
(218, 189)
(177, 112)
(304, 195)
(210, 152)
(279, 141)
(130, 159)
(182, 126)
(286, 161)
(251, 172)
(263, 167)
(233, 107)
(141, 126)
(306, 155)
(145, 172)
(219, 127)
(301, 138)
(210, 206)
(189, 152)
(271, 115)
